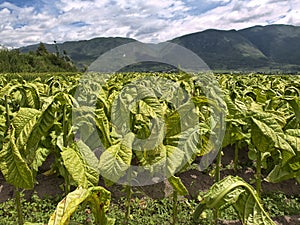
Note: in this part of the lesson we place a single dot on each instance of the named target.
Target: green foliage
(14, 168)
(130, 114)
(144, 210)
(80, 164)
(161, 128)
(234, 191)
(12, 61)
(36, 209)
(97, 197)
(279, 204)
(115, 161)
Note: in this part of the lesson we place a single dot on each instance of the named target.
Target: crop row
(136, 129)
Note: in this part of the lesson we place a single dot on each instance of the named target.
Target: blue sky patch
(79, 24)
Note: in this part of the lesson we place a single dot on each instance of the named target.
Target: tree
(41, 50)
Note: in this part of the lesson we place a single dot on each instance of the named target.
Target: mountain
(227, 50)
(84, 52)
(280, 43)
(260, 48)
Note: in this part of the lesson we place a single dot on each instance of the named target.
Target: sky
(26, 22)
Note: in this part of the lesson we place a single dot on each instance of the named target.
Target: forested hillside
(40, 60)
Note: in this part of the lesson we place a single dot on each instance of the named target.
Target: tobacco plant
(233, 191)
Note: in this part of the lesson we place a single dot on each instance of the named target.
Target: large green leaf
(285, 170)
(295, 104)
(165, 159)
(104, 127)
(13, 166)
(26, 94)
(152, 160)
(44, 123)
(233, 107)
(192, 142)
(68, 206)
(24, 122)
(134, 99)
(267, 134)
(40, 157)
(23, 117)
(263, 137)
(102, 101)
(88, 155)
(178, 185)
(183, 118)
(234, 132)
(115, 160)
(174, 160)
(33, 96)
(98, 199)
(236, 192)
(81, 171)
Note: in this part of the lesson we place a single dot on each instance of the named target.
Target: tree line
(13, 61)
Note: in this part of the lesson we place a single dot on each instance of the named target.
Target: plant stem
(175, 204)
(258, 174)
(7, 115)
(65, 126)
(218, 166)
(217, 179)
(216, 213)
(19, 206)
(67, 184)
(65, 144)
(236, 158)
(127, 204)
(99, 213)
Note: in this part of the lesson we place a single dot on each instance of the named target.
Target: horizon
(52, 43)
(28, 22)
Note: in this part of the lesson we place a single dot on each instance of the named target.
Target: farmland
(97, 132)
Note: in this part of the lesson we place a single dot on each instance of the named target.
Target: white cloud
(293, 17)
(148, 21)
(238, 15)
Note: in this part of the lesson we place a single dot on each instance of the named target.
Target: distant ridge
(84, 52)
(258, 48)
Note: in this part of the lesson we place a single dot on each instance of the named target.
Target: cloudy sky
(25, 22)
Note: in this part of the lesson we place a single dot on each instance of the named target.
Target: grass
(144, 210)
(279, 204)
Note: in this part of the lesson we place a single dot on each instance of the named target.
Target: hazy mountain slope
(280, 43)
(223, 49)
(259, 48)
(83, 53)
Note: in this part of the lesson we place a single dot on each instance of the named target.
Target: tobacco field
(138, 129)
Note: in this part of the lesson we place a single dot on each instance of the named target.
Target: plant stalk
(258, 174)
(65, 144)
(7, 115)
(218, 166)
(127, 204)
(236, 158)
(65, 126)
(217, 179)
(19, 206)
